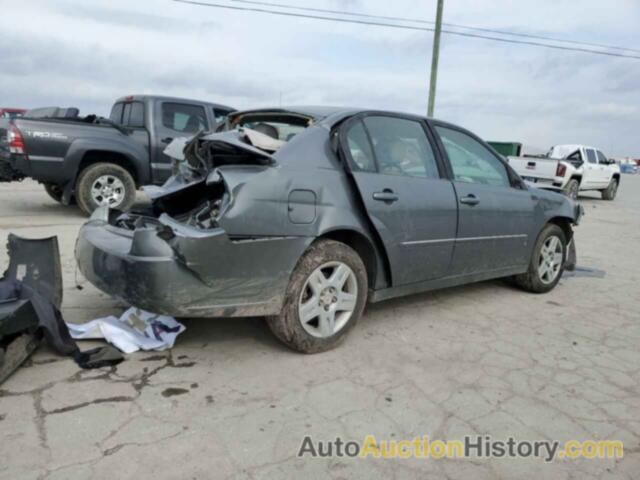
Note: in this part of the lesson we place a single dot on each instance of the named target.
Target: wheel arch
(576, 176)
(375, 261)
(92, 157)
(565, 224)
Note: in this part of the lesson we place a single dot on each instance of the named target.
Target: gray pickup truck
(98, 161)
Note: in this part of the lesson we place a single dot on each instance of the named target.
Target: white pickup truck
(572, 169)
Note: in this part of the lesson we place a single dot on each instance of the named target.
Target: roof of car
(332, 115)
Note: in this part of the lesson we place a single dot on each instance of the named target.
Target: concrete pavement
(230, 402)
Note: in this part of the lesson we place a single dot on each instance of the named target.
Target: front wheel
(547, 261)
(610, 192)
(105, 184)
(324, 300)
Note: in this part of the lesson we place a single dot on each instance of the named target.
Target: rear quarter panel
(265, 200)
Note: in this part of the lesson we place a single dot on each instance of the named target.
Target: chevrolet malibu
(304, 215)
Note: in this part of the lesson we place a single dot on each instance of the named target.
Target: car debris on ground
(135, 329)
(30, 299)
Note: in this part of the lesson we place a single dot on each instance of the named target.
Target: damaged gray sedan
(303, 215)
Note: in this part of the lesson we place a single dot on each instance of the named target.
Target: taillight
(16, 142)
(561, 170)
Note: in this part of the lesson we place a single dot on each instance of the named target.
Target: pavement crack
(120, 398)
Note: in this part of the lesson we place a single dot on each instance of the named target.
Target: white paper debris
(136, 329)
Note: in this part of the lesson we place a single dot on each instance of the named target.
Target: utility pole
(434, 59)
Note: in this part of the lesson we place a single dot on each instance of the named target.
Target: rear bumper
(9, 171)
(194, 274)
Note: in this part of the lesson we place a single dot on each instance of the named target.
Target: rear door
(496, 211)
(407, 196)
(133, 117)
(174, 119)
(591, 174)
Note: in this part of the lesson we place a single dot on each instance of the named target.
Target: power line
(406, 27)
(428, 22)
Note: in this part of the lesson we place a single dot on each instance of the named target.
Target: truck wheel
(547, 261)
(572, 188)
(105, 184)
(610, 192)
(54, 191)
(324, 300)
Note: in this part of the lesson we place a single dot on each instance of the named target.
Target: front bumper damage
(571, 259)
(170, 268)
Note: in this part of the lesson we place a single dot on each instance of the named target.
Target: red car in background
(11, 112)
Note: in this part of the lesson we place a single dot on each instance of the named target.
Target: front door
(495, 217)
(173, 120)
(408, 200)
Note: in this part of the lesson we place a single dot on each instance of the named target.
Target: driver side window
(471, 161)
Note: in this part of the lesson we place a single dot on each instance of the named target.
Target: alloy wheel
(550, 260)
(108, 190)
(328, 299)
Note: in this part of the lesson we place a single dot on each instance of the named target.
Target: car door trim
(464, 239)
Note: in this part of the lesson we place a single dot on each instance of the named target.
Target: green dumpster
(508, 149)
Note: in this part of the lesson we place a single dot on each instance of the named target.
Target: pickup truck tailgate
(534, 169)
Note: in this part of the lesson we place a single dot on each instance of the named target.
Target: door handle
(470, 199)
(167, 140)
(386, 196)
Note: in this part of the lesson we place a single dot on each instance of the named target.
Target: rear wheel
(105, 184)
(610, 192)
(572, 188)
(54, 191)
(324, 300)
(547, 261)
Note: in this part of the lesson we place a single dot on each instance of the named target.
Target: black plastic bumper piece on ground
(30, 299)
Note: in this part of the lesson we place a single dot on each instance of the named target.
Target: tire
(54, 191)
(572, 188)
(537, 280)
(91, 192)
(610, 192)
(318, 334)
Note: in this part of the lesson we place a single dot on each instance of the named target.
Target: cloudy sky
(86, 53)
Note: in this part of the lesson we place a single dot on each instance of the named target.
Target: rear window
(116, 112)
(279, 126)
(136, 115)
(220, 115)
(11, 115)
